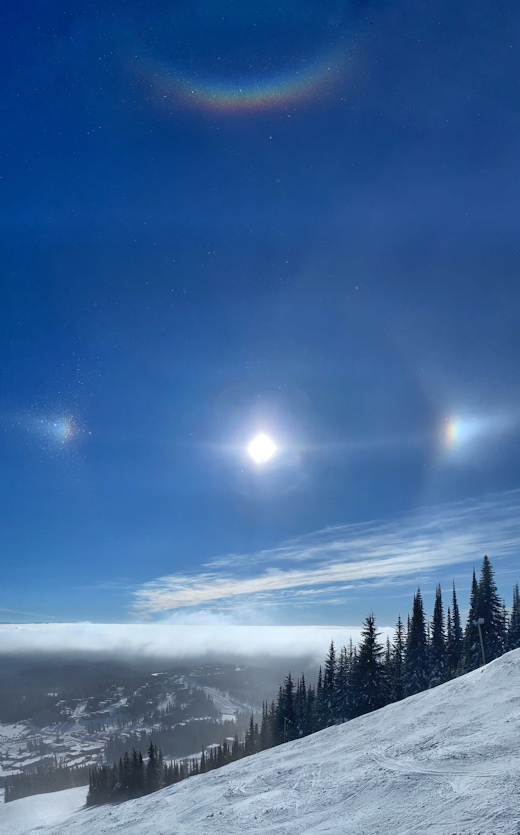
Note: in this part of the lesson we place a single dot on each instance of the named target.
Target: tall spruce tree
(341, 687)
(505, 626)
(285, 714)
(319, 707)
(472, 654)
(387, 669)
(266, 729)
(312, 711)
(454, 638)
(345, 685)
(329, 688)
(300, 708)
(370, 683)
(154, 769)
(251, 740)
(449, 640)
(398, 661)
(485, 604)
(388, 655)
(279, 719)
(136, 776)
(490, 608)
(513, 632)
(416, 665)
(437, 649)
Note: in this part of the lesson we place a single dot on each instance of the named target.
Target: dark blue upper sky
(224, 217)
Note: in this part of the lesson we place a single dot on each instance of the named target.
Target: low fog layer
(176, 642)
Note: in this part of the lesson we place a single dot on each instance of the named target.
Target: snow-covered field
(444, 762)
(42, 812)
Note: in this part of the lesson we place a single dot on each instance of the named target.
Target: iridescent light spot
(63, 429)
(462, 430)
(58, 430)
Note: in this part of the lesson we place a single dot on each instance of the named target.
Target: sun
(261, 448)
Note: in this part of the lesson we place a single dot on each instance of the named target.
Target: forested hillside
(353, 682)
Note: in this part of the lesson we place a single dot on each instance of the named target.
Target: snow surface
(42, 812)
(444, 762)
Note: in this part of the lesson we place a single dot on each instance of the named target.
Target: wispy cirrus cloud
(336, 560)
(27, 614)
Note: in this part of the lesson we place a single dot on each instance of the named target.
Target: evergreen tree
(505, 626)
(472, 653)
(154, 769)
(278, 719)
(489, 607)
(388, 656)
(387, 670)
(454, 639)
(370, 685)
(449, 641)
(513, 632)
(312, 712)
(251, 741)
(300, 708)
(136, 775)
(351, 683)
(290, 730)
(319, 710)
(329, 688)
(396, 683)
(416, 665)
(124, 776)
(437, 651)
(485, 604)
(286, 727)
(342, 686)
(267, 728)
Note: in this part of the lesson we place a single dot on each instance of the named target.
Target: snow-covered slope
(444, 762)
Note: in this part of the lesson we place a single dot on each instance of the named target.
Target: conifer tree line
(351, 683)
(178, 741)
(48, 775)
(134, 776)
(422, 654)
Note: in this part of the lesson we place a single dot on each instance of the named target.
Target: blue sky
(221, 221)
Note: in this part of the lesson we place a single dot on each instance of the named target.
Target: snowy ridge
(444, 762)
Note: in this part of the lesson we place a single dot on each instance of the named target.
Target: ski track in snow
(444, 762)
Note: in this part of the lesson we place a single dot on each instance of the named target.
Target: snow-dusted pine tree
(398, 660)
(513, 633)
(329, 688)
(416, 665)
(490, 608)
(472, 652)
(437, 649)
(454, 639)
(370, 680)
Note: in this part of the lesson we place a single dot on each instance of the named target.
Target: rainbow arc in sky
(297, 84)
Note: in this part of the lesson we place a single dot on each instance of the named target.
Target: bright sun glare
(261, 449)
